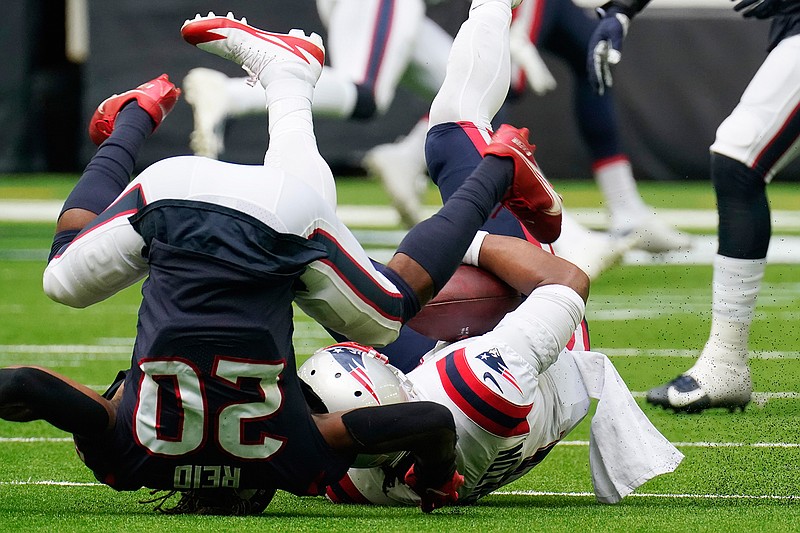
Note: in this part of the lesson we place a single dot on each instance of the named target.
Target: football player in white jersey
(757, 140)
(513, 397)
(514, 391)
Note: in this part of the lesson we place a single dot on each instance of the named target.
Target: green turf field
(741, 472)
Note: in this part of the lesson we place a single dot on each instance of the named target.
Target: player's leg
(377, 44)
(431, 251)
(474, 89)
(289, 88)
(534, 23)
(471, 95)
(400, 165)
(344, 292)
(120, 126)
(215, 98)
(528, 67)
(371, 41)
(86, 266)
(370, 44)
(757, 140)
(570, 28)
(32, 393)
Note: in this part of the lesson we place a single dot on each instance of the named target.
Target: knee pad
(744, 216)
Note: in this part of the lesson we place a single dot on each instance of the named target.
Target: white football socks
(625, 205)
(292, 142)
(736, 285)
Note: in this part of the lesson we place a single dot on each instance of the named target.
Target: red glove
(434, 497)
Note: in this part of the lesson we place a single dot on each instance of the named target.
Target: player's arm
(524, 265)
(605, 45)
(33, 393)
(557, 290)
(425, 429)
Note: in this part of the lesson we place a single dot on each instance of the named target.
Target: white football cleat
(205, 90)
(253, 49)
(399, 172)
(727, 386)
(655, 236)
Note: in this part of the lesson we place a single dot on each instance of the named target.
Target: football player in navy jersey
(563, 29)
(752, 145)
(211, 405)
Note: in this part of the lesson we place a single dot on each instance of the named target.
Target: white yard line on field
(644, 352)
(706, 444)
(791, 497)
(40, 440)
(384, 216)
(378, 230)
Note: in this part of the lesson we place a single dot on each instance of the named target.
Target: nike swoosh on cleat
(556, 208)
(677, 398)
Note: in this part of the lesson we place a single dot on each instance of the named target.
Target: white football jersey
(507, 417)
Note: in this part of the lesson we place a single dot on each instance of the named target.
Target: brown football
(472, 303)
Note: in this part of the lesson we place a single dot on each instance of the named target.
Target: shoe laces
(252, 60)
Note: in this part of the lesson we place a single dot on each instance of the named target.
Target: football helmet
(348, 376)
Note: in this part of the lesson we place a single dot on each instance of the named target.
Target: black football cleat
(685, 395)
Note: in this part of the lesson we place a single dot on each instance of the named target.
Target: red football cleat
(531, 197)
(157, 97)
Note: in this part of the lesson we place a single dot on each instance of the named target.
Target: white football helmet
(347, 376)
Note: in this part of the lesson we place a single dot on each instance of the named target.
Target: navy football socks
(745, 223)
(110, 170)
(439, 243)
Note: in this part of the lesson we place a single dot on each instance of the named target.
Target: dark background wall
(40, 105)
(683, 71)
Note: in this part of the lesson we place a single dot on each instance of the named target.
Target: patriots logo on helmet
(493, 360)
(353, 363)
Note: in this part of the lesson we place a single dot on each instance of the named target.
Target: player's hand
(434, 497)
(763, 9)
(605, 47)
